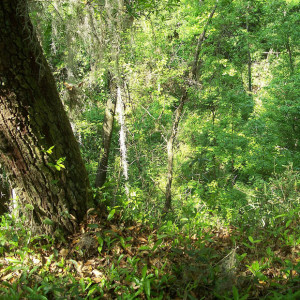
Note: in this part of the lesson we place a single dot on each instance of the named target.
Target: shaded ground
(113, 260)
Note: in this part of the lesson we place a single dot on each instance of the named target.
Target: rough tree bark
(108, 126)
(178, 113)
(32, 120)
(4, 195)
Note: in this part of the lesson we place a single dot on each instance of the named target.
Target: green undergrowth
(197, 255)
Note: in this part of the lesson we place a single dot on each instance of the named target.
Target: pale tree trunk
(115, 25)
(178, 113)
(249, 54)
(32, 121)
(122, 138)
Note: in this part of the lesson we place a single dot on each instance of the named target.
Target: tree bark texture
(4, 196)
(32, 120)
(108, 126)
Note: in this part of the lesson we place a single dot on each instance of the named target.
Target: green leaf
(288, 223)
(144, 248)
(111, 214)
(29, 207)
(147, 287)
(235, 293)
(93, 226)
(92, 290)
(156, 245)
(82, 284)
(122, 242)
(144, 271)
(28, 289)
(49, 151)
(100, 242)
(47, 221)
(161, 236)
(242, 256)
(251, 239)
(249, 246)
(280, 216)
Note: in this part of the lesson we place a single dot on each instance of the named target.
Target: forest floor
(109, 259)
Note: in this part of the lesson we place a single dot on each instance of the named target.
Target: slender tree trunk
(116, 23)
(32, 120)
(288, 47)
(122, 138)
(249, 71)
(199, 44)
(249, 54)
(178, 113)
(170, 149)
(108, 126)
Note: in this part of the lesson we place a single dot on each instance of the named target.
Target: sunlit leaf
(111, 214)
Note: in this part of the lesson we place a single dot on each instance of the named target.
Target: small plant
(256, 269)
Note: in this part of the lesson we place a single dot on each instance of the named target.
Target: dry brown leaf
(134, 286)
(98, 274)
(97, 279)
(129, 252)
(64, 252)
(8, 276)
(90, 262)
(141, 239)
(90, 211)
(78, 266)
(86, 269)
(115, 229)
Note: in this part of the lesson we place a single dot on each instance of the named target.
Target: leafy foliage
(233, 230)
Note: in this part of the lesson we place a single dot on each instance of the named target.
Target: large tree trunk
(32, 120)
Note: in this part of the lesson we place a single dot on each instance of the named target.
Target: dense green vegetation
(207, 104)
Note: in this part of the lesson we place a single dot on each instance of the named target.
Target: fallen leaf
(97, 273)
(141, 239)
(115, 229)
(64, 252)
